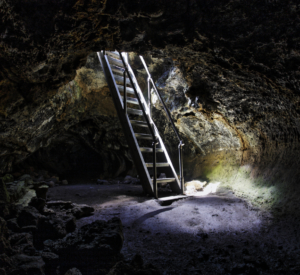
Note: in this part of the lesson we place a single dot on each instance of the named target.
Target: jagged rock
(64, 205)
(24, 264)
(95, 244)
(81, 210)
(73, 271)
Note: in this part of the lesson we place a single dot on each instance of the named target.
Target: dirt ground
(210, 233)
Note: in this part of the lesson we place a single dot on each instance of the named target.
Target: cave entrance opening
(134, 111)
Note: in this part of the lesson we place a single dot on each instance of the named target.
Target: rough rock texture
(238, 110)
(76, 128)
(94, 246)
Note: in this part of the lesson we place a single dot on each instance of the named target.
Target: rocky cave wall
(234, 96)
(73, 132)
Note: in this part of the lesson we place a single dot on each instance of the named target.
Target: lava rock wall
(72, 131)
(239, 60)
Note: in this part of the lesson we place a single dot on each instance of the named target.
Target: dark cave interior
(71, 200)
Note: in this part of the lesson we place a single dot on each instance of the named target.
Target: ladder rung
(120, 79)
(150, 150)
(139, 123)
(143, 136)
(158, 164)
(131, 100)
(164, 180)
(113, 54)
(117, 70)
(135, 112)
(114, 61)
(128, 90)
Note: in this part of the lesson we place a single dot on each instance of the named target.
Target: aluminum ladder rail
(117, 70)
(181, 144)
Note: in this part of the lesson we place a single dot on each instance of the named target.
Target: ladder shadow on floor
(150, 215)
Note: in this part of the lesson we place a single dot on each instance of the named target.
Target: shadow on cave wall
(84, 151)
(74, 160)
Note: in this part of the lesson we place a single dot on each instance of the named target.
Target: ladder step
(113, 54)
(117, 70)
(150, 150)
(131, 100)
(135, 112)
(114, 61)
(164, 180)
(143, 136)
(128, 90)
(119, 79)
(158, 164)
(139, 123)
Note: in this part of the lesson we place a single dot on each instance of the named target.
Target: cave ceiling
(236, 95)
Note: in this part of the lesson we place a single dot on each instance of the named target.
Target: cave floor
(216, 233)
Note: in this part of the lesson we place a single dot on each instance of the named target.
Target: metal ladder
(135, 116)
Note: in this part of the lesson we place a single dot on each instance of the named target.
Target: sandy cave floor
(214, 233)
